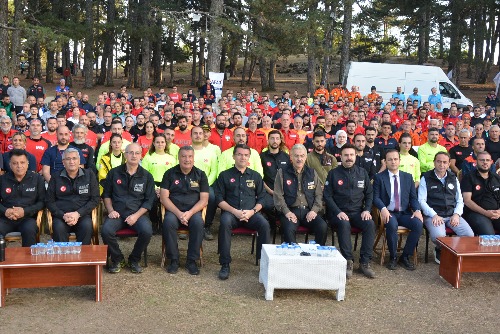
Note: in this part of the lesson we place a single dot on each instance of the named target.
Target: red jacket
(224, 141)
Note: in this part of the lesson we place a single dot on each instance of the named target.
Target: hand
(71, 218)
(239, 214)
(343, 216)
(113, 214)
(291, 217)
(493, 214)
(157, 191)
(385, 215)
(10, 214)
(437, 220)
(311, 215)
(455, 220)
(366, 215)
(418, 215)
(130, 220)
(185, 216)
(19, 212)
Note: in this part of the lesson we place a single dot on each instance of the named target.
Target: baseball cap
(206, 127)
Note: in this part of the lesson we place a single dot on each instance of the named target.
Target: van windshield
(447, 90)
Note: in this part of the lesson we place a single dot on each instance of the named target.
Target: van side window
(447, 90)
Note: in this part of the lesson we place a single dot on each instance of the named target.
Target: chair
(16, 236)
(300, 230)
(249, 232)
(354, 231)
(72, 236)
(181, 230)
(380, 250)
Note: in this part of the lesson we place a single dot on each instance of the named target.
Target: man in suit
(396, 198)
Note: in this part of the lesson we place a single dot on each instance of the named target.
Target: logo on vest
(63, 188)
(139, 187)
(451, 186)
(232, 180)
(478, 187)
(176, 181)
(268, 164)
(340, 182)
(8, 190)
(30, 189)
(289, 182)
(118, 181)
(83, 189)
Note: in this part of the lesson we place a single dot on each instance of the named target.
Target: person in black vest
(348, 197)
(239, 192)
(481, 192)
(441, 201)
(72, 194)
(297, 197)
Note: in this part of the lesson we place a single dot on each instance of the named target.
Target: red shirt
(137, 111)
(182, 139)
(447, 143)
(176, 97)
(125, 135)
(51, 138)
(224, 141)
(6, 140)
(145, 144)
(291, 138)
(91, 139)
(37, 147)
(256, 140)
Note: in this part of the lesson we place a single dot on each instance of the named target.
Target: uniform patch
(228, 138)
(269, 164)
(340, 182)
(8, 190)
(232, 180)
(289, 182)
(194, 184)
(63, 188)
(451, 186)
(118, 181)
(176, 181)
(139, 187)
(361, 184)
(250, 183)
(478, 187)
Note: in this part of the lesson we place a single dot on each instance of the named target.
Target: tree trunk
(215, 36)
(157, 76)
(490, 49)
(441, 38)
(134, 41)
(88, 54)
(422, 22)
(264, 74)
(233, 53)
(327, 46)
(146, 43)
(29, 73)
(346, 41)
(194, 54)
(479, 36)
(4, 37)
(222, 68)
(170, 38)
(66, 63)
(75, 53)
(201, 60)
(272, 73)
(253, 63)
(455, 55)
(15, 46)
(428, 15)
(110, 42)
(470, 43)
(37, 60)
(245, 61)
(311, 62)
(49, 66)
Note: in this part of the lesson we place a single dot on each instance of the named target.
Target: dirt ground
(157, 302)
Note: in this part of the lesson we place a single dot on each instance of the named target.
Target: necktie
(396, 194)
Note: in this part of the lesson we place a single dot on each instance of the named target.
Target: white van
(386, 77)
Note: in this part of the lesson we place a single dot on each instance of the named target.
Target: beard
(482, 170)
(79, 141)
(220, 126)
(182, 127)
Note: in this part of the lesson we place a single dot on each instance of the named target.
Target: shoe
(207, 234)
(224, 272)
(349, 269)
(192, 268)
(135, 267)
(115, 267)
(437, 255)
(393, 264)
(405, 262)
(366, 270)
(183, 236)
(173, 267)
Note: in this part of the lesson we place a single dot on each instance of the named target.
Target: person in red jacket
(290, 136)
(6, 134)
(221, 135)
(256, 138)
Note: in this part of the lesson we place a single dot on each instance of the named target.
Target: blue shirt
(400, 96)
(416, 97)
(434, 99)
(53, 157)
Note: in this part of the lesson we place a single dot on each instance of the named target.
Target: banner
(217, 80)
(496, 80)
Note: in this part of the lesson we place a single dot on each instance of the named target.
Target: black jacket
(28, 194)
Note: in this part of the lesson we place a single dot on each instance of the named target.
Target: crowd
(328, 158)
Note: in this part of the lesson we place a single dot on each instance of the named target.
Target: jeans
(482, 225)
(143, 228)
(82, 229)
(195, 227)
(463, 229)
(27, 227)
(228, 221)
(344, 235)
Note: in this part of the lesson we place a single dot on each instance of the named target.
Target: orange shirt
(291, 138)
(256, 140)
(182, 139)
(322, 91)
(224, 141)
(353, 95)
(91, 139)
(337, 93)
(125, 135)
(372, 97)
(415, 138)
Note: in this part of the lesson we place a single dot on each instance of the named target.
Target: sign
(217, 80)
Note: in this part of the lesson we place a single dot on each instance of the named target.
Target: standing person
(364, 159)
(184, 194)
(35, 143)
(226, 159)
(72, 194)
(110, 160)
(128, 196)
(239, 192)
(297, 197)
(290, 136)
(221, 135)
(460, 152)
(22, 195)
(441, 201)
(348, 197)
(375, 150)
(449, 140)
(470, 163)
(396, 198)
(407, 162)
(146, 140)
(318, 159)
(17, 95)
(428, 151)
(4, 86)
(36, 89)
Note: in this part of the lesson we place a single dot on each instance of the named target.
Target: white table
(301, 272)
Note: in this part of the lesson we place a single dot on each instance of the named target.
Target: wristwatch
(254, 211)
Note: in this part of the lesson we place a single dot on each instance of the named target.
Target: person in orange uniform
(290, 136)
(322, 91)
(354, 94)
(221, 136)
(337, 92)
(406, 128)
(373, 96)
(256, 138)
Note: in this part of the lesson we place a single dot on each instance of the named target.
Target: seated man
(396, 198)
(20, 203)
(128, 193)
(481, 192)
(72, 194)
(297, 197)
(184, 193)
(441, 201)
(239, 192)
(348, 197)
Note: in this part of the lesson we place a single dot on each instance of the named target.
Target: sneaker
(135, 267)
(115, 267)
(349, 269)
(173, 267)
(192, 268)
(183, 236)
(224, 271)
(207, 234)
(366, 270)
(437, 255)
(393, 264)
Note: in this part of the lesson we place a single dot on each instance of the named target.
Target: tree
(215, 36)
(88, 53)
(346, 39)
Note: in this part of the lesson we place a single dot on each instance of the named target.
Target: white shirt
(392, 205)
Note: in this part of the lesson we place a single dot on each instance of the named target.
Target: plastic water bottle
(2, 248)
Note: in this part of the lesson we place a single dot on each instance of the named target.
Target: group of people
(323, 159)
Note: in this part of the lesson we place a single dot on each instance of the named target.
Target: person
(375, 150)
(320, 160)
(17, 95)
(110, 160)
(19, 142)
(395, 196)
(226, 160)
(22, 195)
(348, 196)
(449, 140)
(493, 143)
(434, 98)
(52, 158)
(256, 138)
(364, 159)
(470, 163)
(116, 127)
(481, 193)
(221, 135)
(427, 151)
(290, 136)
(80, 132)
(35, 143)
(340, 141)
(184, 194)
(297, 197)
(128, 195)
(441, 201)
(72, 194)
(6, 133)
(407, 162)
(460, 152)
(146, 140)
(239, 193)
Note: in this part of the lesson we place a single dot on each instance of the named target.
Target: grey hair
(297, 147)
(185, 148)
(465, 131)
(70, 150)
(80, 126)
(3, 118)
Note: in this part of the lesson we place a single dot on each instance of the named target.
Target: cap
(206, 127)
(373, 88)
(487, 118)
(319, 127)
